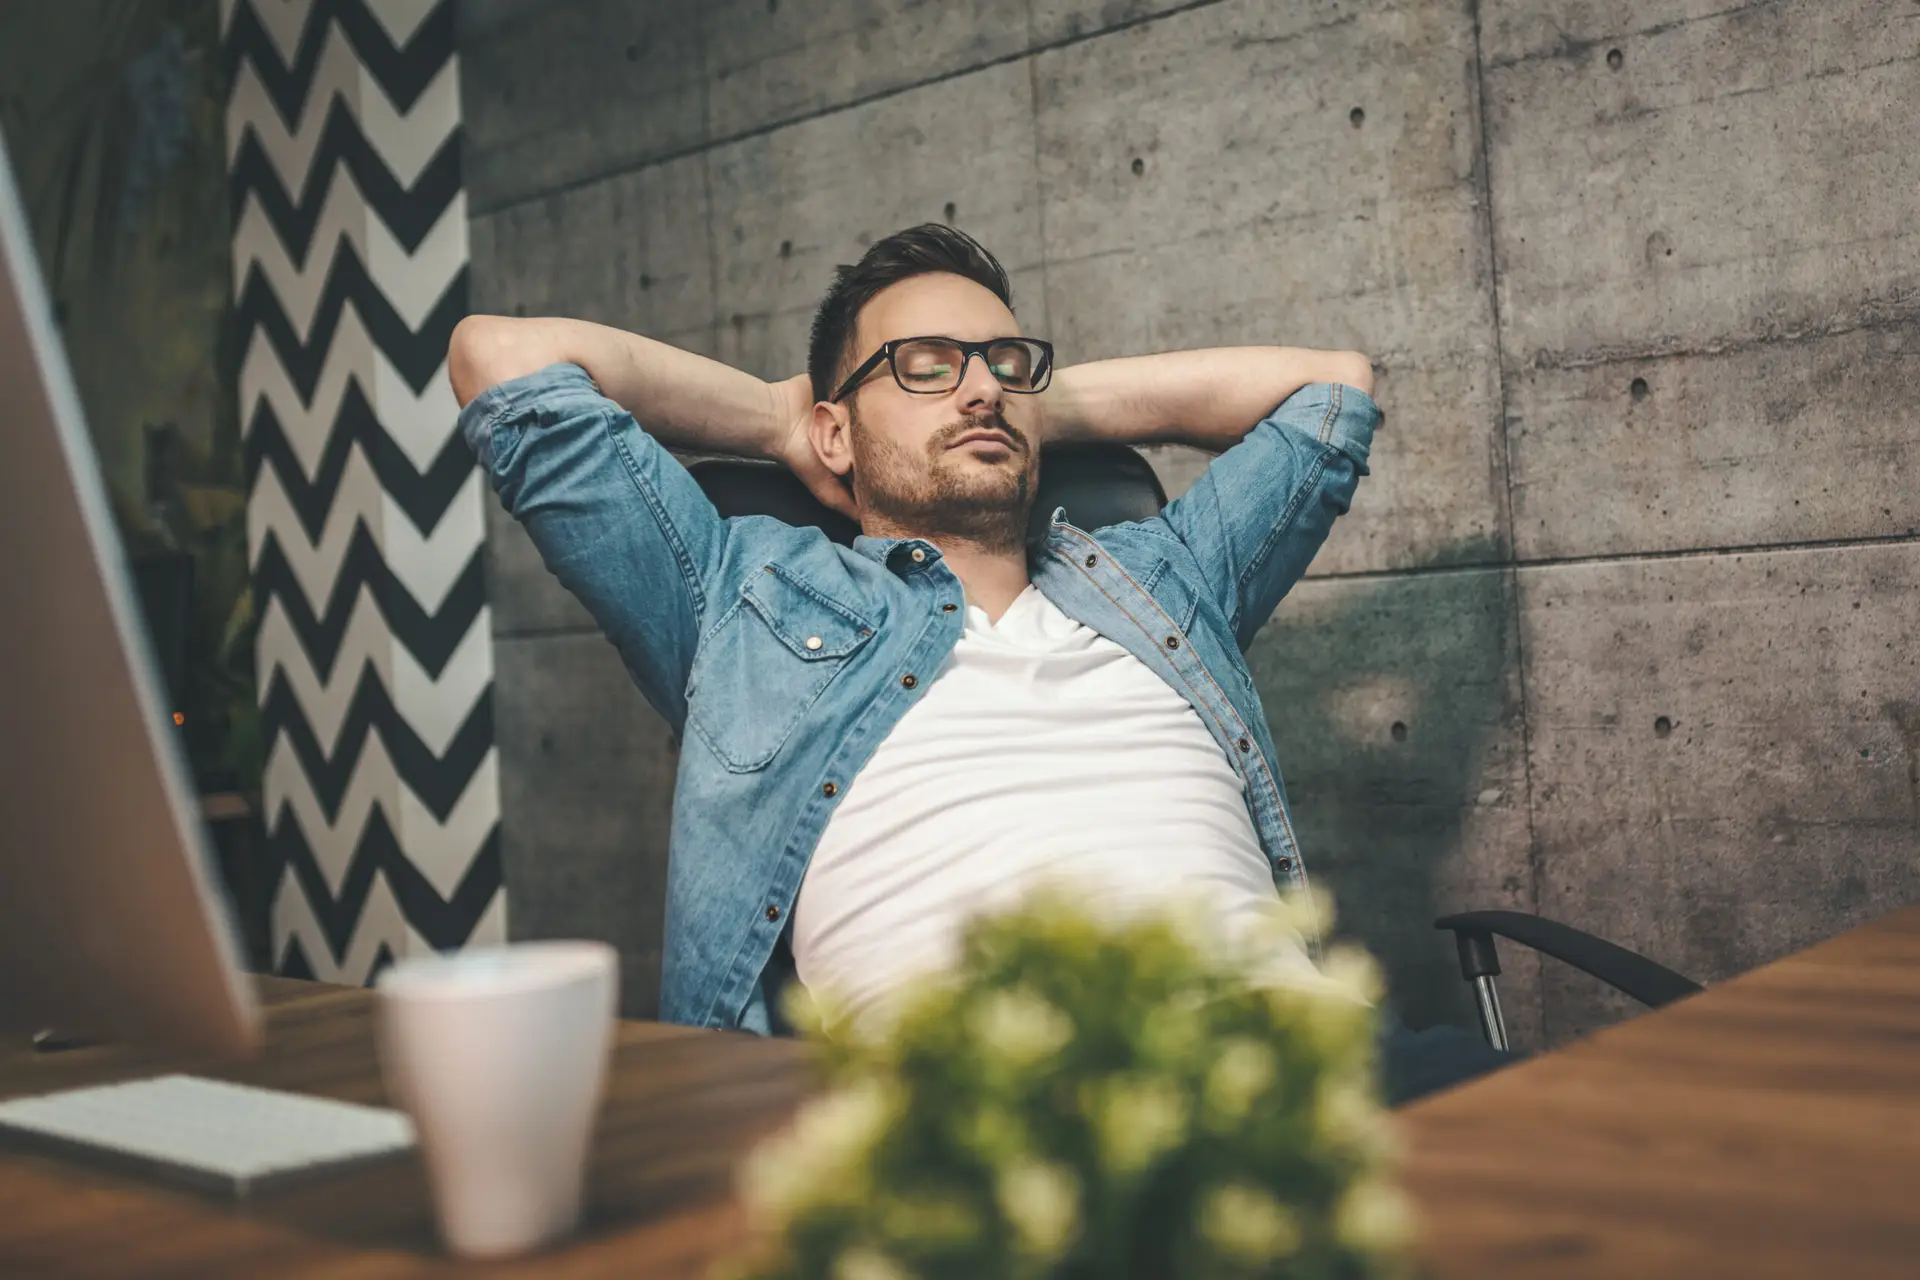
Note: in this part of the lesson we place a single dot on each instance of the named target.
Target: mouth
(987, 436)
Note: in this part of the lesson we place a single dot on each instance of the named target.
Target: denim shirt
(782, 659)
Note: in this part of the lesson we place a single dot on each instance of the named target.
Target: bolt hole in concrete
(1139, 166)
(1398, 731)
(1662, 726)
(1357, 116)
(1616, 59)
(949, 211)
(1640, 389)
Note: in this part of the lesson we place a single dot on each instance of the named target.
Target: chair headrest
(1098, 484)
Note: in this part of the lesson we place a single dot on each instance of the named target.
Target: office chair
(1103, 484)
(1098, 484)
(1625, 971)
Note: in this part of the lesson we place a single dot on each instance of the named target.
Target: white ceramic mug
(500, 1056)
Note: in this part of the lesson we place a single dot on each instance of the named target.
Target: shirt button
(813, 642)
(828, 790)
(1173, 642)
(1245, 745)
(908, 681)
(1286, 864)
(918, 555)
(948, 608)
(773, 913)
(1092, 561)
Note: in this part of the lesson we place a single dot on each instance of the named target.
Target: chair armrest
(1627, 971)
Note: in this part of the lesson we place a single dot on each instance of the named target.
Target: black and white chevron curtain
(365, 530)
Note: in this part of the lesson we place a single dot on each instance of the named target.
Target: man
(882, 740)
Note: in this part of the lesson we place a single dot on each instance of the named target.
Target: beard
(940, 493)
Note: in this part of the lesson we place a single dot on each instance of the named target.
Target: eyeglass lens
(930, 364)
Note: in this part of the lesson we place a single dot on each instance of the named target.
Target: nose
(978, 387)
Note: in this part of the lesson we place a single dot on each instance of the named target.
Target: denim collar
(887, 550)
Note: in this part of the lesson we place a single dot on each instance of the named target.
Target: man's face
(962, 462)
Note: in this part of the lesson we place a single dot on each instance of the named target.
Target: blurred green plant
(228, 754)
(114, 114)
(188, 509)
(1088, 1100)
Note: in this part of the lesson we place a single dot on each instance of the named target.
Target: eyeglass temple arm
(853, 379)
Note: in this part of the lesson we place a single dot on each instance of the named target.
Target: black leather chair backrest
(1098, 484)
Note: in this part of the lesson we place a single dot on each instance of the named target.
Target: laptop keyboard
(232, 1139)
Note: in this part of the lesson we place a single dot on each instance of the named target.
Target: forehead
(949, 305)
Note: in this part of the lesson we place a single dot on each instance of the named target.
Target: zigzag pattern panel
(364, 516)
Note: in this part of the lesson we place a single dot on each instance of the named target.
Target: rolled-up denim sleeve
(615, 517)
(1258, 515)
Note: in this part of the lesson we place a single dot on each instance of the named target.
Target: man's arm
(1208, 398)
(554, 409)
(687, 401)
(1261, 511)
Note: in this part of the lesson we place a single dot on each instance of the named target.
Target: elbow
(1353, 369)
(484, 351)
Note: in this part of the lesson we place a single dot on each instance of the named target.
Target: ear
(831, 430)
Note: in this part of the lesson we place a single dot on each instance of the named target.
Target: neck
(992, 577)
(992, 573)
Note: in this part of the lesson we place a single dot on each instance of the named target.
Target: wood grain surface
(1768, 1128)
(682, 1106)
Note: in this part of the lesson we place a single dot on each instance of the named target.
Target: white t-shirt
(1041, 753)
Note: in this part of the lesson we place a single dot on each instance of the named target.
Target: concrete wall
(1619, 630)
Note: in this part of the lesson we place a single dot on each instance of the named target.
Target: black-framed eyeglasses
(931, 365)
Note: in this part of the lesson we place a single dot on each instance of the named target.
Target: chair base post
(1492, 1022)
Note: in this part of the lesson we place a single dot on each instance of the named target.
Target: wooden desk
(682, 1106)
(1770, 1127)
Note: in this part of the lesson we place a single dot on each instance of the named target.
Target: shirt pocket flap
(813, 626)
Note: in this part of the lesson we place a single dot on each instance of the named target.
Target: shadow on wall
(1395, 709)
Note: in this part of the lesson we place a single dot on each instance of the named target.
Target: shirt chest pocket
(764, 665)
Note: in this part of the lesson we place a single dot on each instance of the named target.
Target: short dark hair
(917, 251)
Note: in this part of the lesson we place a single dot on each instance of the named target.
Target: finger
(822, 483)
(836, 495)
(833, 491)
